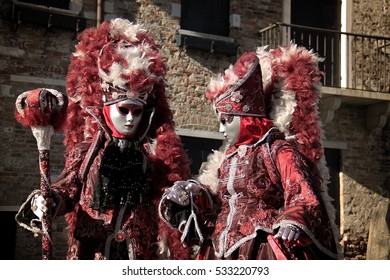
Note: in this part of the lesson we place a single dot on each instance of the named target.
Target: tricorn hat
(239, 91)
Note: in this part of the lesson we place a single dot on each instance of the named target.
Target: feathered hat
(112, 62)
(292, 84)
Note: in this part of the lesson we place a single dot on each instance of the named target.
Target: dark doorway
(8, 234)
(198, 150)
(320, 15)
(333, 161)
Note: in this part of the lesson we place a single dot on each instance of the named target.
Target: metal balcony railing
(351, 60)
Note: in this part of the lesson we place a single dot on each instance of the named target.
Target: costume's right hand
(288, 232)
(38, 205)
(180, 192)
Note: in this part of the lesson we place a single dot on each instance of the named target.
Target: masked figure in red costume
(121, 149)
(263, 195)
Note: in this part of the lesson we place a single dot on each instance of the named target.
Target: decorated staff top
(41, 107)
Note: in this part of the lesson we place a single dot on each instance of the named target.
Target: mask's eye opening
(137, 112)
(225, 119)
(123, 110)
(126, 108)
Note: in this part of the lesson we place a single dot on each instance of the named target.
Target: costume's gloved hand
(180, 192)
(288, 232)
(38, 205)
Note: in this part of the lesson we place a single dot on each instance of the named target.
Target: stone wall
(364, 179)
(366, 162)
(371, 18)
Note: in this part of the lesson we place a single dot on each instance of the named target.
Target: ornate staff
(43, 110)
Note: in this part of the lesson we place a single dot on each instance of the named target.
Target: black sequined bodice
(121, 179)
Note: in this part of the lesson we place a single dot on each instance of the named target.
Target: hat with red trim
(239, 91)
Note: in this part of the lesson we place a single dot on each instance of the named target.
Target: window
(205, 25)
(61, 4)
(48, 13)
(205, 16)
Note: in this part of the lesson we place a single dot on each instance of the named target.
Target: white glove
(180, 192)
(38, 205)
(288, 232)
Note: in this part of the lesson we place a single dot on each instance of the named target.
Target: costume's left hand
(288, 232)
(180, 192)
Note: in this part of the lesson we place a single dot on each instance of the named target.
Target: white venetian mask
(229, 125)
(126, 116)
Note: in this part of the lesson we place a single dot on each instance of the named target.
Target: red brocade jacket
(260, 188)
(124, 232)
